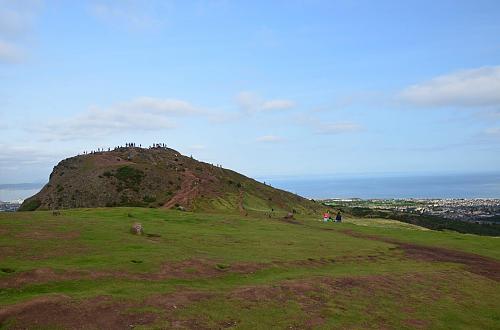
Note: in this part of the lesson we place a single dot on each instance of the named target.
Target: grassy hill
(83, 269)
(158, 177)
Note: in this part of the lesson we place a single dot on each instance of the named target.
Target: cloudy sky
(268, 88)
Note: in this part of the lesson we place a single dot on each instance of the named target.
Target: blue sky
(267, 88)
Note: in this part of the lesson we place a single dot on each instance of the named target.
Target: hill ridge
(157, 176)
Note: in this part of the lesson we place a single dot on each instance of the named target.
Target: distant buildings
(10, 206)
(480, 210)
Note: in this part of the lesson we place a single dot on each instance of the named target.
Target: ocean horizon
(428, 186)
(476, 185)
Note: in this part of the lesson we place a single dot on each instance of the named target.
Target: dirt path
(474, 263)
(240, 201)
(187, 193)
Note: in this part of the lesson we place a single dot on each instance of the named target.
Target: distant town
(10, 206)
(478, 210)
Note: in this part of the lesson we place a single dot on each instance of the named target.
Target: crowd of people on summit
(127, 145)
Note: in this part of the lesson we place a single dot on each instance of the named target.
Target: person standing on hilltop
(338, 218)
(326, 216)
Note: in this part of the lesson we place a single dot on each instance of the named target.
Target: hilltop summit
(157, 177)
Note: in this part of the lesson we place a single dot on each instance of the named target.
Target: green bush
(128, 178)
(30, 205)
(149, 199)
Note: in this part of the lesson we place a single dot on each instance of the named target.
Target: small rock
(137, 229)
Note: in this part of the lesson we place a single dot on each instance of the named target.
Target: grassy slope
(391, 291)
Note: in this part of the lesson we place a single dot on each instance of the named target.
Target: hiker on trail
(326, 216)
(338, 218)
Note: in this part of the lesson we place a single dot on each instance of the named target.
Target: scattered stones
(137, 229)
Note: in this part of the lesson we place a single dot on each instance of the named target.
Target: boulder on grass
(289, 216)
(137, 229)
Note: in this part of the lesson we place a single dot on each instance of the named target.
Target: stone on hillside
(289, 215)
(137, 229)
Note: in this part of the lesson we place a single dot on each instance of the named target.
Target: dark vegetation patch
(222, 266)
(149, 199)
(128, 178)
(30, 205)
(7, 270)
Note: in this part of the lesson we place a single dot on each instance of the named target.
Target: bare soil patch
(188, 192)
(474, 263)
(316, 295)
(46, 234)
(62, 312)
(43, 275)
(187, 269)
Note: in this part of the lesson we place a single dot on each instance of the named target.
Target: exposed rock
(137, 229)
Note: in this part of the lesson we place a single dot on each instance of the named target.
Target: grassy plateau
(83, 268)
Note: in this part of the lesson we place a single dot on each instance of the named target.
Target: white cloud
(21, 155)
(17, 16)
(16, 20)
(140, 114)
(338, 128)
(467, 88)
(251, 103)
(321, 126)
(493, 132)
(9, 53)
(165, 106)
(278, 105)
(270, 139)
(133, 14)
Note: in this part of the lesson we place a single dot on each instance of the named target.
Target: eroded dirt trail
(187, 193)
(474, 263)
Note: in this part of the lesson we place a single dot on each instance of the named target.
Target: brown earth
(315, 296)
(48, 234)
(63, 312)
(474, 263)
(186, 269)
(188, 192)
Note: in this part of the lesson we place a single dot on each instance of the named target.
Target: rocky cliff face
(157, 177)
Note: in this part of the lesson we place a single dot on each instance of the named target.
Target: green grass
(302, 271)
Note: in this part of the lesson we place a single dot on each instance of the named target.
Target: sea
(460, 185)
(476, 185)
(13, 192)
